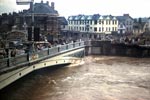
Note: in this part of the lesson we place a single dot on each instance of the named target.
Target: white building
(125, 24)
(93, 23)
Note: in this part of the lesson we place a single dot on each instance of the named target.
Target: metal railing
(21, 60)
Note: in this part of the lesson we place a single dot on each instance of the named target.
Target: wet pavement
(100, 78)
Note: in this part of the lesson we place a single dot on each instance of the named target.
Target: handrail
(21, 60)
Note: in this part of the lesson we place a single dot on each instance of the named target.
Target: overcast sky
(136, 8)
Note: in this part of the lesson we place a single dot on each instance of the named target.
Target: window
(95, 22)
(130, 22)
(113, 22)
(91, 22)
(87, 22)
(99, 29)
(100, 21)
(127, 23)
(95, 29)
(121, 26)
(102, 29)
(115, 28)
(112, 28)
(109, 28)
(82, 28)
(82, 22)
(87, 29)
(109, 22)
(106, 22)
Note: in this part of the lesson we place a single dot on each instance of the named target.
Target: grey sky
(136, 8)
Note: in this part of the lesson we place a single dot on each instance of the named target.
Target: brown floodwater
(100, 78)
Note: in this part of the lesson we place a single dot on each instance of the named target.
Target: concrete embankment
(108, 48)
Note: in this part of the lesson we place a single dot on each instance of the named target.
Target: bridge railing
(13, 61)
(20, 60)
(3, 63)
(70, 45)
(53, 51)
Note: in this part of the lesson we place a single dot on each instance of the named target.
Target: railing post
(73, 45)
(48, 51)
(80, 43)
(58, 49)
(8, 56)
(28, 56)
(67, 47)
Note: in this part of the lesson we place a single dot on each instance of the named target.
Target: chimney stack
(47, 2)
(127, 15)
(53, 5)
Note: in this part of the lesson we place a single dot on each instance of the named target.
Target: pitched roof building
(125, 24)
(93, 23)
(45, 18)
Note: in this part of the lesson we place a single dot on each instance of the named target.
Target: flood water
(100, 78)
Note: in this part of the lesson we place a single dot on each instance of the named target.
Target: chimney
(127, 15)
(53, 5)
(47, 2)
(31, 6)
(41, 1)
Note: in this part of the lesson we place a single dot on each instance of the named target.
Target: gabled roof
(71, 17)
(91, 17)
(95, 16)
(123, 18)
(108, 17)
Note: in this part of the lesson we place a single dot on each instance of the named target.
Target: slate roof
(121, 18)
(89, 17)
(62, 20)
(95, 16)
(43, 8)
(139, 26)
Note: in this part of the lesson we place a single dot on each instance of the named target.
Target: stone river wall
(116, 49)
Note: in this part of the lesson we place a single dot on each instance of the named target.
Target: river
(99, 78)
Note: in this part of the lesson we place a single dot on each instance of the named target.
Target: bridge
(13, 68)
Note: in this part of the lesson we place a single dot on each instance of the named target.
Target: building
(141, 25)
(45, 18)
(125, 24)
(93, 23)
(63, 23)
